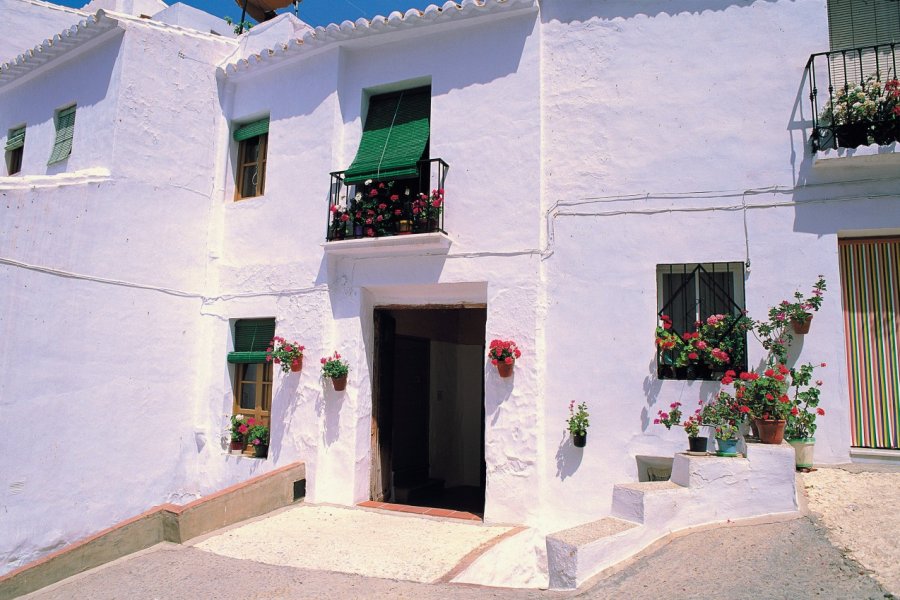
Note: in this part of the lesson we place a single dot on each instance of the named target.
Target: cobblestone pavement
(791, 559)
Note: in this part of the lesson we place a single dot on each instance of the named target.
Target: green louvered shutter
(16, 139)
(394, 137)
(65, 131)
(245, 132)
(855, 23)
(251, 338)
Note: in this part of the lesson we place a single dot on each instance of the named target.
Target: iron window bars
(688, 294)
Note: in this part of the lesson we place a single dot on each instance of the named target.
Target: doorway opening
(428, 407)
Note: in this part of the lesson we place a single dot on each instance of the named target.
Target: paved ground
(791, 559)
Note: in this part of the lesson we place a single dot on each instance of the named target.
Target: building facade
(588, 152)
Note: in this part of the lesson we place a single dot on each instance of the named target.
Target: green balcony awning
(394, 137)
(16, 139)
(249, 130)
(251, 338)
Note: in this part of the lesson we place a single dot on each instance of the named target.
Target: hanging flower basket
(802, 327)
(503, 355)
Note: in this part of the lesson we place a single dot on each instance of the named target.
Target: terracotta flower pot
(339, 383)
(237, 445)
(505, 370)
(297, 365)
(771, 431)
(801, 327)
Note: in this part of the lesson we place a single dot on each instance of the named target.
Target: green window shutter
(855, 23)
(16, 139)
(249, 130)
(251, 338)
(394, 137)
(65, 131)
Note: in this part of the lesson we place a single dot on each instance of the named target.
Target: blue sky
(314, 12)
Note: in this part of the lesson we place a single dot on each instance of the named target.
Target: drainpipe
(243, 16)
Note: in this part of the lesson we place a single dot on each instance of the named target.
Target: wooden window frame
(14, 160)
(242, 163)
(263, 397)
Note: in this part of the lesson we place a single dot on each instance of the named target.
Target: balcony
(855, 98)
(383, 208)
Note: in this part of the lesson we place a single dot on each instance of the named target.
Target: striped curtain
(870, 272)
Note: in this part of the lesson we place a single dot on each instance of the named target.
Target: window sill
(861, 156)
(242, 455)
(416, 244)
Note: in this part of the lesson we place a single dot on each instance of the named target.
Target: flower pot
(771, 431)
(357, 231)
(339, 383)
(801, 327)
(803, 452)
(697, 444)
(261, 450)
(505, 370)
(237, 445)
(886, 132)
(296, 365)
(579, 439)
(726, 447)
(852, 135)
(404, 226)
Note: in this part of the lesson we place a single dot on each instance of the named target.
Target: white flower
(238, 417)
(367, 182)
(358, 196)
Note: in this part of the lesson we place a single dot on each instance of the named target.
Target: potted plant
(887, 118)
(763, 398)
(578, 423)
(287, 354)
(237, 430)
(426, 211)
(724, 414)
(851, 112)
(726, 439)
(801, 425)
(336, 370)
(692, 428)
(799, 312)
(503, 355)
(717, 342)
(258, 439)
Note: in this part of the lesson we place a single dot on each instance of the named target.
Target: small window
(688, 294)
(253, 374)
(65, 132)
(15, 148)
(252, 139)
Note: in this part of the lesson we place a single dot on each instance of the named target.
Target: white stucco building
(593, 148)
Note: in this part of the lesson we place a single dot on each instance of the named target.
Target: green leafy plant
(578, 419)
(258, 435)
(333, 367)
(717, 342)
(240, 26)
(284, 353)
(726, 431)
(805, 404)
(801, 309)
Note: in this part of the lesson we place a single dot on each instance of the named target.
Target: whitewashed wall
(643, 132)
(27, 23)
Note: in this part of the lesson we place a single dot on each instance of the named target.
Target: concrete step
(638, 501)
(702, 490)
(575, 554)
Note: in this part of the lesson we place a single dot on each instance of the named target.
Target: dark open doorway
(428, 407)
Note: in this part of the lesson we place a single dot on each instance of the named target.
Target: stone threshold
(422, 510)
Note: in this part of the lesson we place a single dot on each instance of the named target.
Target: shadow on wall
(282, 413)
(569, 11)
(497, 391)
(328, 406)
(568, 457)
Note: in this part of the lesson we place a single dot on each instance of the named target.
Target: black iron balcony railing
(855, 95)
(380, 208)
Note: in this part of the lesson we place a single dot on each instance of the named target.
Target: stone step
(577, 553)
(647, 499)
